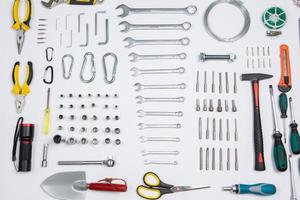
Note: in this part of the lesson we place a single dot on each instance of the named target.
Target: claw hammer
(258, 136)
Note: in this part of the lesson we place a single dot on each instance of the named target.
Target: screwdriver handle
(82, 2)
(279, 153)
(263, 189)
(295, 138)
(46, 127)
(283, 104)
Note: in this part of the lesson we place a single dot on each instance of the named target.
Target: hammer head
(255, 77)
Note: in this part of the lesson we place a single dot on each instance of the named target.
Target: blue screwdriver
(262, 189)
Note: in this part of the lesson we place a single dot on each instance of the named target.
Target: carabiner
(49, 54)
(93, 68)
(65, 75)
(51, 75)
(114, 71)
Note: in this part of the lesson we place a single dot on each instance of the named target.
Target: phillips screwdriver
(279, 152)
(46, 127)
(294, 138)
(263, 189)
(283, 104)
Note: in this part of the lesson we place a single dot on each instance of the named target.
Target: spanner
(146, 153)
(140, 87)
(137, 71)
(143, 126)
(133, 42)
(131, 27)
(137, 57)
(156, 162)
(144, 139)
(141, 99)
(190, 10)
(142, 113)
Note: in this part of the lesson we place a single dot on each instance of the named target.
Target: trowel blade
(61, 185)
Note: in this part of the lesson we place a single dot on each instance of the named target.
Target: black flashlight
(24, 133)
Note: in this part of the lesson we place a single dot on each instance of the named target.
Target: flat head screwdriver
(294, 138)
(283, 105)
(279, 152)
(292, 180)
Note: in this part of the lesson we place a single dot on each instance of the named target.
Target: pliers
(21, 27)
(51, 3)
(18, 91)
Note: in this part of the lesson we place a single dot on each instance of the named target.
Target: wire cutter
(155, 188)
(18, 91)
(21, 27)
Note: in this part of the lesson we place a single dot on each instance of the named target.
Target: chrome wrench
(190, 10)
(137, 57)
(143, 126)
(137, 71)
(142, 113)
(140, 87)
(156, 162)
(144, 139)
(131, 27)
(141, 100)
(133, 42)
(146, 153)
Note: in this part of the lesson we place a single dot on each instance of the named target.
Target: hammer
(258, 136)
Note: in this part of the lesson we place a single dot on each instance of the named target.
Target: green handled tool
(279, 152)
(294, 138)
(263, 189)
(283, 105)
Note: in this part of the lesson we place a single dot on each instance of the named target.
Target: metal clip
(67, 75)
(51, 75)
(93, 68)
(49, 54)
(113, 75)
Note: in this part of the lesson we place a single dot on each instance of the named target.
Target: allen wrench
(96, 20)
(87, 37)
(106, 33)
(79, 21)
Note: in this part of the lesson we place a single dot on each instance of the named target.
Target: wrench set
(187, 100)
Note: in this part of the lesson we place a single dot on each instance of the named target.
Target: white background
(129, 160)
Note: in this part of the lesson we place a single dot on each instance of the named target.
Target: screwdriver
(279, 152)
(263, 189)
(46, 127)
(292, 180)
(294, 138)
(283, 104)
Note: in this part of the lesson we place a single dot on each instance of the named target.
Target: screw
(213, 165)
(229, 57)
(95, 141)
(236, 160)
(220, 83)
(60, 128)
(62, 96)
(45, 155)
(79, 95)
(95, 117)
(61, 106)
(214, 129)
(220, 130)
(220, 159)
(116, 95)
(213, 82)
(211, 106)
(106, 95)
(98, 95)
(235, 84)
(106, 106)
(227, 131)
(236, 138)
(227, 82)
(93, 105)
(207, 159)
(71, 95)
(90, 95)
(228, 159)
(198, 105)
(71, 141)
(71, 106)
(205, 82)
(219, 108)
(107, 118)
(226, 105)
(197, 82)
(82, 106)
(207, 128)
(204, 105)
(201, 158)
(234, 108)
(200, 128)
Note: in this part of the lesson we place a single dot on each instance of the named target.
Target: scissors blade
(187, 188)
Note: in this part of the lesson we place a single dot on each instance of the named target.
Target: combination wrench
(137, 57)
(143, 126)
(136, 71)
(190, 10)
(134, 42)
(141, 100)
(142, 113)
(131, 27)
(144, 139)
(146, 153)
(139, 86)
(156, 162)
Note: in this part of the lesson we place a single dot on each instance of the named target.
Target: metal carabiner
(49, 54)
(51, 75)
(114, 71)
(93, 68)
(67, 75)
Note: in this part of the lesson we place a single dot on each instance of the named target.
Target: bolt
(107, 141)
(219, 108)
(198, 105)
(83, 141)
(107, 130)
(226, 105)
(211, 106)
(117, 131)
(204, 105)
(95, 130)
(45, 155)
(234, 108)
(229, 57)
(117, 141)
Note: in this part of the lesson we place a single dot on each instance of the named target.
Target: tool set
(158, 67)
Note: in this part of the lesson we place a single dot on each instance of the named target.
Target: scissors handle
(151, 193)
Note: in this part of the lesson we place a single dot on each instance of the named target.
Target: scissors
(155, 188)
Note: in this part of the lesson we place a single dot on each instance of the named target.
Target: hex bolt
(219, 108)
(211, 106)
(229, 57)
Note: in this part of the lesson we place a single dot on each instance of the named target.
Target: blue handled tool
(263, 189)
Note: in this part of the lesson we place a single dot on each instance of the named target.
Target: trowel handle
(108, 187)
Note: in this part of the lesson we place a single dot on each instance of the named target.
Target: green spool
(274, 18)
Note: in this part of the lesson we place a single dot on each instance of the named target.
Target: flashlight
(24, 134)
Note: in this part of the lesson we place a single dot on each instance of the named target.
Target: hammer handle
(258, 138)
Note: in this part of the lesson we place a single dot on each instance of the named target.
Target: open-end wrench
(158, 162)
(142, 113)
(140, 87)
(146, 153)
(141, 100)
(190, 10)
(137, 71)
(137, 57)
(133, 42)
(144, 139)
(143, 126)
(131, 27)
